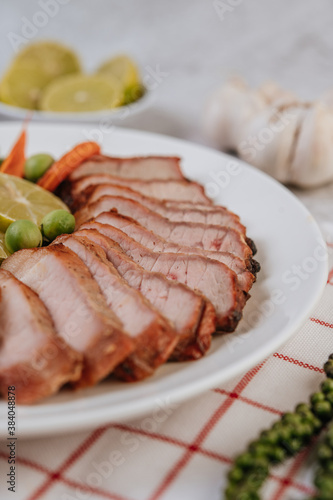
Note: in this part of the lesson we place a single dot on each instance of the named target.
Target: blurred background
(186, 49)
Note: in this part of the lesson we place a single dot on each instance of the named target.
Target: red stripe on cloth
(322, 323)
(69, 482)
(249, 401)
(287, 480)
(298, 363)
(207, 428)
(73, 457)
(103, 493)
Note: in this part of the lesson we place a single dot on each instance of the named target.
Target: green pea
(22, 234)
(36, 166)
(56, 223)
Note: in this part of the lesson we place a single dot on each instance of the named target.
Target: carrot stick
(15, 161)
(61, 169)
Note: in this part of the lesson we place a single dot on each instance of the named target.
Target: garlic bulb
(269, 128)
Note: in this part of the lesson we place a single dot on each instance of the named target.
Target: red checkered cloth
(185, 452)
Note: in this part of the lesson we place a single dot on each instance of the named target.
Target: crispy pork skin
(144, 168)
(212, 278)
(154, 337)
(220, 216)
(175, 190)
(157, 244)
(77, 307)
(192, 316)
(215, 238)
(33, 358)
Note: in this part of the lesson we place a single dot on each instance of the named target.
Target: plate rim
(180, 394)
(14, 113)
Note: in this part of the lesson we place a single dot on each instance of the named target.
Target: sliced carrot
(15, 161)
(62, 168)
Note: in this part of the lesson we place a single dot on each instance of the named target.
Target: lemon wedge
(22, 86)
(126, 71)
(81, 93)
(53, 58)
(20, 199)
(3, 250)
(32, 69)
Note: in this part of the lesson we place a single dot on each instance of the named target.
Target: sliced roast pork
(154, 336)
(216, 238)
(76, 304)
(79, 191)
(141, 167)
(192, 316)
(220, 216)
(155, 243)
(33, 358)
(214, 279)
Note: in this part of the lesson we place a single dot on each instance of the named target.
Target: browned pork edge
(212, 278)
(174, 190)
(221, 216)
(155, 243)
(56, 273)
(206, 237)
(154, 336)
(33, 358)
(195, 322)
(138, 167)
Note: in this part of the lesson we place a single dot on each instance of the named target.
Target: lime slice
(32, 69)
(3, 251)
(52, 58)
(20, 199)
(125, 69)
(81, 93)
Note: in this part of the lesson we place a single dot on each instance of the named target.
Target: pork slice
(212, 278)
(196, 235)
(192, 316)
(140, 167)
(155, 243)
(32, 356)
(220, 216)
(77, 307)
(154, 337)
(176, 190)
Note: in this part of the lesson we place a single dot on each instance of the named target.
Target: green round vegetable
(22, 234)
(36, 166)
(56, 223)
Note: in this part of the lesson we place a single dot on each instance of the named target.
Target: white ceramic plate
(107, 117)
(286, 235)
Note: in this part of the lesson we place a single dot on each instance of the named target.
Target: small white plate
(286, 236)
(114, 116)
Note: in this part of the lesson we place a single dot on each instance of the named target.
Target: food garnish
(37, 165)
(67, 164)
(22, 234)
(56, 223)
(15, 161)
(285, 439)
(33, 69)
(82, 93)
